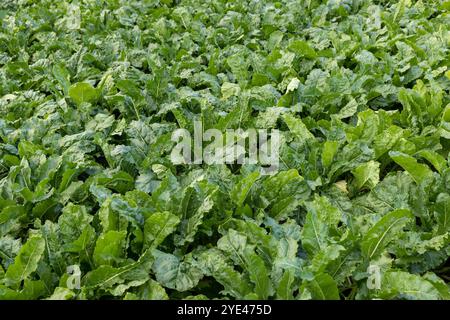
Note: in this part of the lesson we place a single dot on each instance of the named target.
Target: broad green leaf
(62, 75)
(158, 226)
(367, 174)
(384, 231)
(303, 49)
(120, 289)
(109, 248)
(348, 110)
(10, 219)
(442, 212)
(9, 247)
(72, 222)
(323, 287)
(329, 151)
(285, 287)
(230, 89)
(418, 171)
(244, 255)
(83, 244)
(386, 140)
(322, 217)
(242, 188)
(297, 127)
(393, 192)
(119, 181)
(325, 257)
(83, 92)
(438, 162)
(214, 263)
(26, 261)
(439, 284)
(445, 122)
(151, 290)
(283, 192)
(198, 200)
(173, 273)
(61, 293)
(107, 276)
(398, 284)
(9, 294)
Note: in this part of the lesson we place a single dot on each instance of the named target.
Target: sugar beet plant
(93, 207)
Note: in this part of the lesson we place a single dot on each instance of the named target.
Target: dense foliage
(91, 91)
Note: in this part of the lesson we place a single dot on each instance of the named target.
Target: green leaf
(438, 162)
(283, 192)
(367, 174)
(83, 92)
(151, 290)
(10, 219)
(324, 257)
(243, 254)
(298, 128)
(442, 212)
(83, 244)
(198, 200)
(384, 231)
(393, 192)
(72, 222)
(173, 273)
(109, 248)
(439, 284)
(285, 286)
(418, 171)
(348, 110)
(214, 263)
(445, 122)
(107, 276)
(62, 75)
(9, 247)
(120, 289)
(321, 219)
(397, 284)
(9, 294)
(230, 89)
(323, 287)
(329, 151)
(241, 189)
(62, 294)
(386, 140)
(119, 181)
(303, 49)
(26, 261)
(158, 226)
